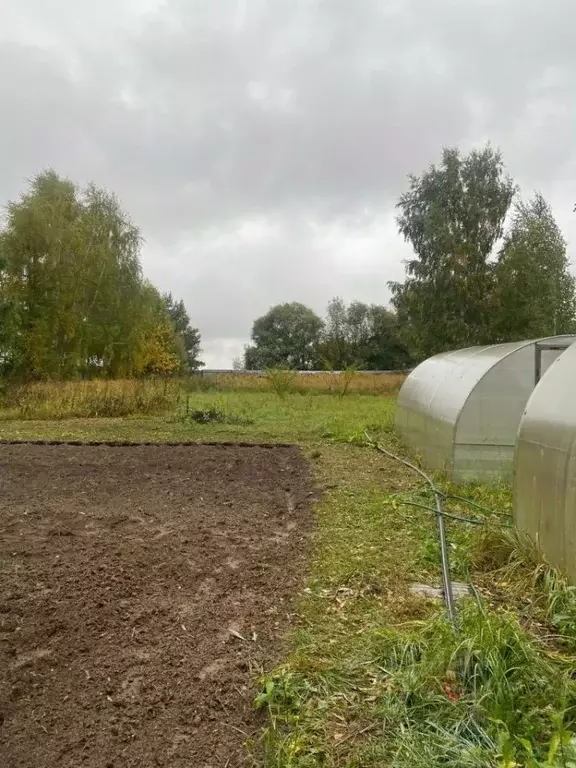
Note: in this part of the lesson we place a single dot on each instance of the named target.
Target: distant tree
(453, 216)
(72, 298)
(237, 364)
(190, 337)
(334, 349)
(159, 348)
(535, 291)
(361, 335)
(287, 335)
(383, 348)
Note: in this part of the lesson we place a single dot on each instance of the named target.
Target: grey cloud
(304, 114)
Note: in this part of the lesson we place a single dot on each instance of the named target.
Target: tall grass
(281, 380)
(340, 383)
(89, 399)
(482, 697)
(517, 565)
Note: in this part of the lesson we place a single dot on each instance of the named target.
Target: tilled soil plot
(141, 588)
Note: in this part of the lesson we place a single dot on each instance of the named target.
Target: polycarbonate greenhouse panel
(459, 411)
(429, 404)
(545, 465)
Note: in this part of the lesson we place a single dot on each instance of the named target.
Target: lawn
(375, 676)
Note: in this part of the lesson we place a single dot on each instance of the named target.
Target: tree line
(73, 299)
(355, 335)
(487, 267)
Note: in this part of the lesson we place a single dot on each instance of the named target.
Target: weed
(345, 379)
(281, 380)
(212, 412)
(207, 416)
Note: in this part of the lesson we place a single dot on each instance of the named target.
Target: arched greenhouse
(545, 465)
(460, 411)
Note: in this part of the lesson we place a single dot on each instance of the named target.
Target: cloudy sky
(261, 144)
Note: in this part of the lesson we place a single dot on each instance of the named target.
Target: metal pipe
(445, 560)
(444, 557)
(450, 516)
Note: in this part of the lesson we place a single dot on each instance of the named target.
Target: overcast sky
(261, 144)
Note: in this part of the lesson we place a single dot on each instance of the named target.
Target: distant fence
(363, 382)
(242, 372)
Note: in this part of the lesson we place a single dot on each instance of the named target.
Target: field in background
(101, 398)
(242, 416)
(89, 399)
(359, 382)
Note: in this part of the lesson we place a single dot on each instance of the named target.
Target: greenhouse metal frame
(460, 410)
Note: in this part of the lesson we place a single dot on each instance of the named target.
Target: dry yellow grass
(87, 399)
(361, 382)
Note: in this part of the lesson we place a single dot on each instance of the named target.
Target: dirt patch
(141, 589)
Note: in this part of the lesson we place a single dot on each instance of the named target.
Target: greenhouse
(545, 465)
(460, 411)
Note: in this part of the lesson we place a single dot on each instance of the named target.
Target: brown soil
(141, 590)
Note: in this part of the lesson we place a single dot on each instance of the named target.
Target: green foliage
(158, 349)
(535, 293)
(358, 336)
(189, 337)
(361, 335)
(453, 215)
(287, 335)
(213, 411)
(72, 296)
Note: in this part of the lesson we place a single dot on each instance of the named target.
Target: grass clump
(515, 564)
(478, 692)
(281, 380)
(216, 412)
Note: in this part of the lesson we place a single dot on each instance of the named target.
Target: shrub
(281, 380)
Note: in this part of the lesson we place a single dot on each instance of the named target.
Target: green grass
(257, 416)
(375, 675)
